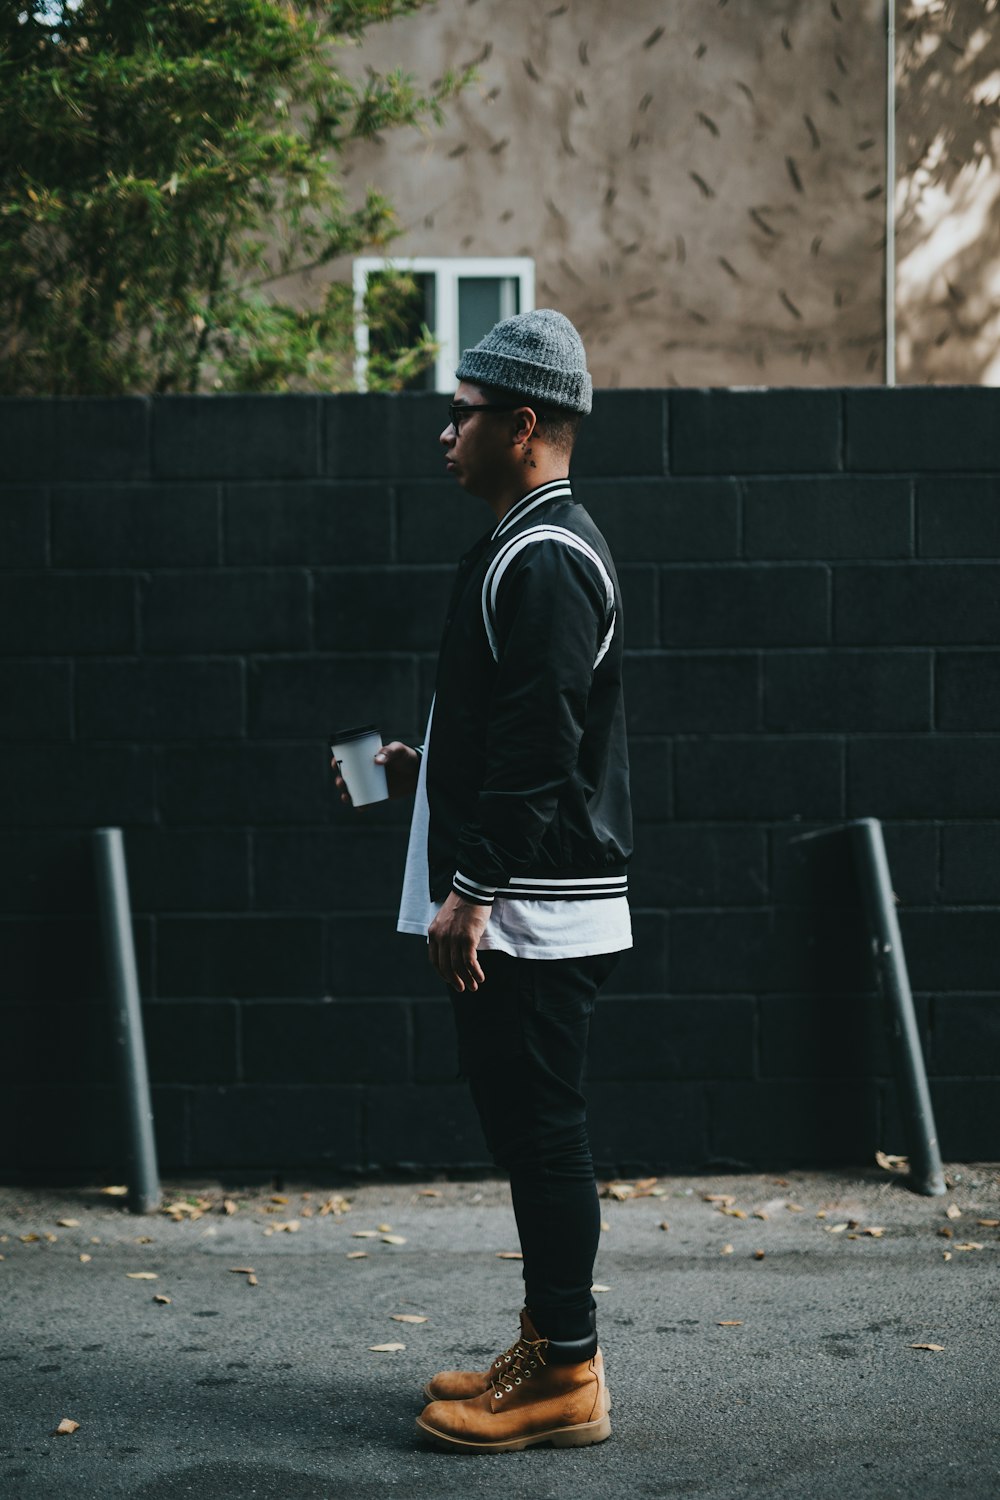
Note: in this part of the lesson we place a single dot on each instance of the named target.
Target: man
(516, 869)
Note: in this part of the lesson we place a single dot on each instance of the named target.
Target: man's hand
(452, 940)
(402, 767)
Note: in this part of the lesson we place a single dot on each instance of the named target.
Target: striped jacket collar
(556, 489)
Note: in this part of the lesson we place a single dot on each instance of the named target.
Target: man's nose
(447, 435)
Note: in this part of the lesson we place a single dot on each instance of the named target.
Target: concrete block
(821, 517)
(220, 957)
(66, 614)
(74, 437)
(325, 1042)
(23, 527)
(755, 432)
(744, 606)
(226, 610)
(235, 437)
(135, 525)
(313, 523)
(759, 777)
(916, 604)
(847, 690)
(35, 700)
(923, 776)
(674, 693)
(159, 700)
(922, 429)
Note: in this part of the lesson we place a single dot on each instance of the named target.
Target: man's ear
(525, 424)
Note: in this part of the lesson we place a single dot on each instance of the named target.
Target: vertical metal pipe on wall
(872, 869)
(130, 1049)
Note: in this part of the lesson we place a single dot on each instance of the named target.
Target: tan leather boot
(462, 1385)
(528, 1402)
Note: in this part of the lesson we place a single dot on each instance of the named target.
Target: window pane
(483, 301)
(398, 306)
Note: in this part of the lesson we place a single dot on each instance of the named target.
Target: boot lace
(519, 1363)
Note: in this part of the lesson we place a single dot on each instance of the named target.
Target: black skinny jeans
(522, 1043)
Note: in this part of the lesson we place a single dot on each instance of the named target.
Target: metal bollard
(872, 867)
(130, 1050)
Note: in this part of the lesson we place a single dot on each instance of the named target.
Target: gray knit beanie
(536, 354)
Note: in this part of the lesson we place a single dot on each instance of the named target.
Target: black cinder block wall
(193, 591)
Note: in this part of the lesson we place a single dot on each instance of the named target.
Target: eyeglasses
(458, 411)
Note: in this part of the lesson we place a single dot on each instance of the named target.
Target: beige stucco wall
(702, 182)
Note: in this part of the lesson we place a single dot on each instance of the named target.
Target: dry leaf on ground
(336, 1204)
(159, 1297)
(241, 1270)
(947, 1255)
(892, 1163)
(384, 1228)
(68, 1223)
(357, 1255)
(971, 1245)
(407, 1318)
(953, 1211)
(599, 1286)
(67, 1425)
(141, 1275)
(718, 1197)
(230, 1206)
(759, 1213)
(729, 1322)
(758, 1255)
(291, 1227)
(988, 1223)
(385, 1348)
(394, 1239)
(509, 1255)
(86, 1257)
(279, 1198)
(735, 1213)
(115, 1192)
(795, 1208)
(664, 1224)
(875, 1232)
(429, 1193)
(937, 1348)
(364, 1234)
(726, 1250)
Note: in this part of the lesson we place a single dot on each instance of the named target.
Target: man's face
(478, 451)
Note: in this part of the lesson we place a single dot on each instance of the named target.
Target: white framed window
(462, 299)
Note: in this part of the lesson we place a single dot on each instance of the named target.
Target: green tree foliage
(162, 164)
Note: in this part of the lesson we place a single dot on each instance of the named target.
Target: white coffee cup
(354, 751)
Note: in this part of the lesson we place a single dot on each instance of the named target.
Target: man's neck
(540, 472)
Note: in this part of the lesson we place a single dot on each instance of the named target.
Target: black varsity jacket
(527, 773)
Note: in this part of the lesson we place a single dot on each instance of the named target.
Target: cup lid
(341, 736)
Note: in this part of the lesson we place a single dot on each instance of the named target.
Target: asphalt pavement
(812, 1335)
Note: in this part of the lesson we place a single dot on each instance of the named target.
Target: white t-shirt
(524, 929)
